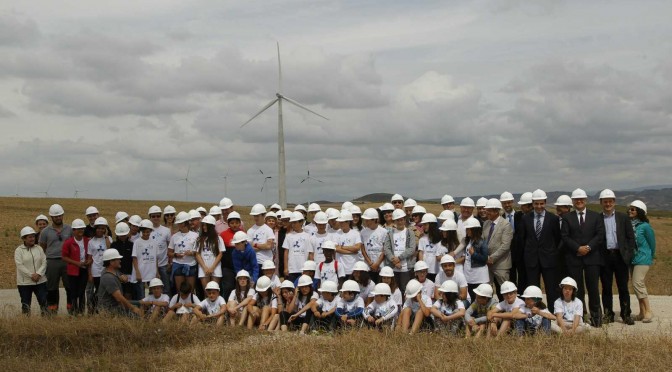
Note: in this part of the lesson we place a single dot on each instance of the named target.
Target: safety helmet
(539, 194)
(314, 207)
(91, 210)
(225, 203)
(120, 216)
(420, 265)
(507, 287)
(382, 289)
(449, 286)
(263, 284)
(121, 229)
(328, 286)
(181, 217)
(304, 280)
(532, 292)
(413, 287)
(239, 237)
(155, 282)
(639, 204)
(27, 231)
(78, 224)
(309, 266)
(428, 218)
(569, 281)
(484, 290)
(320, 218)
(525, 198)
(579, 194)
(350, 286)
(209, 220)
(100, 221)
(257, 209)
(56, 210)
(360, 266)
(212, 285)
(242, 274)
(154, 209)
(398, 214)
(447, 199)
(233, 215)
(345, 216)
(386, 272)
(506, 196)
(296, 216)
(471, 222)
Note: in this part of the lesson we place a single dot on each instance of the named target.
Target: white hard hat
(386, 272)
(268, 265)
(346, 205)
(304, 280)
(328, 244)
(397, 197)
(525, 198)
(481, 202)
(398, 214)
(146, 224)
(446, 215)
(532, 292)
(300, 207)
(225, 203)
(382, 289)
(296, 216)
(506, 196)
(209, 220)
(275, 206)
(418, 209)
(239, 237)
(448, 225)
(155, 282)
(447, 199)
(201, 210)
(320, 218)
(639, 204)
(507, 287)
(569, 281)
(413, 287)
(287, 284)
(242, 274)
(120, 216)
(27, 231)
(360, 266)
(78, 224)
(332, 213)
(100, 221)
(314, 207)
(212, 285)
(154, 209)
(286, 214)
(467, 202)
(493, 204)
(344, 216)
(309, 265)
(215, 210)
(111, 254)
(410, 203)
(263, 284)
(121, 229)
(563, 200)
(194, 214)
(447, 259)
(420, 265)
(182, 217)
(233, 215)
(607, 194)
(350, 286)
(355, 210)
(41, 217)
(579, 194)
(135, 220)
(257, 209)
(270, 214)
(428, 218)
(386, 207)
(91, 210)
(370, 214)
(449, 286)
(471, 222)
(56, 210)
(328, 286)
(484, 290)
(539, 194)
(169, 209)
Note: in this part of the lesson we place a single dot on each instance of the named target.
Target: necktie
(538, 226)
(510, 217)
(492, 228)
(581, 221)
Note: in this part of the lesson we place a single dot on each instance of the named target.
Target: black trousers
(592, 285)
(228, 283)
(517, 275)
(615, 266)
(77, 295)
(551, 277)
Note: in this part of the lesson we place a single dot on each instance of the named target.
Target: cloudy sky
(459, 97)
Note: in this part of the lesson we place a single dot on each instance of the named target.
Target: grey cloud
(17, 30)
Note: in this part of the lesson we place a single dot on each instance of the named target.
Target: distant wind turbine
(263, 185)
(78, 191)
(226, 183)
(46, 192)
(186, 184)
(308, 178)
(279, 97)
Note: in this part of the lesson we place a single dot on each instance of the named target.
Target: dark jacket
(409, 253)
(480, 256)
(246, 260)
(544, 251)
(591, 234)
(625, 236)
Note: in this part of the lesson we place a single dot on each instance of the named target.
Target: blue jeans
(165, 278)
(26, 294)
(523, 327)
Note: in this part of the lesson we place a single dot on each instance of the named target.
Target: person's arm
(307, 307)
(125, 303)
(200, 261)
(560, 320)
(517, 314)
(544, 314)
(436, 312)
(218, 259)
(286, 254)
(568, 242)
(463, 294)
(356, 312)
(263, 246)
(19, 263)
(480, 252)
(291, 306)
(600, 234)
(222, 311)
(367, 259)
(577, 321)
(42, 270)
(459, 248)
(387, 247)
(391, 314)
(254, 270)
(349, 249)
(651, 239)
(423, 307)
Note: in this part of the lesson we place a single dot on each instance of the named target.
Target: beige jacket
(29, 261)
(499, 246)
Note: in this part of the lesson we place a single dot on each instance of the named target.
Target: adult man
(447, 202)
(397, 201)
(583, 237)
(448, 273)
(498, 235)
(541, 236)
(563, 205)
(110, 296)
(161, 237)
(467, 206)
(618, 250)
(226, 206)
(51, 240)
(517, 273)
(91, 215)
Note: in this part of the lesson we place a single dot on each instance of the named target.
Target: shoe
(628, 320)
(596, 322)
(638, 317)
(648, 318)
(608, 318)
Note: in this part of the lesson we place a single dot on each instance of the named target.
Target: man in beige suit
(497, 233)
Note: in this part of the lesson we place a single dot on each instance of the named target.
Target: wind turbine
(308, 179)
(263, 186)
(46, 192)
(279, 97)
(78, 191)
(226, 183)
(186, 184)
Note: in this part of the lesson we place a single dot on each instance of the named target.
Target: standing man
(583, 237)
(447, 202)
(517, 273)
(498, 234)
(51, 240)
(541, 234)
(618, 251)
(467, 206)
(563, 205)
(161, 237)
(91, 215)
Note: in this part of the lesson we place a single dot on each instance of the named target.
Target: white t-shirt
(163, 298)
(428, 288)
(534, 319)
(302, 301)
(250, 294)
(349, 306)
(348, 239)
(96, 249)
(262, 302)
(399, 246)
(145, 252)
(310, 229)
(82, 254)
(182, 242)
(506, 307)
(415, 305)
(212, 307)
(275, 281)
(316, 241)
(442, 250)
(457, 278)
(298, 247)
(161, 237)
(569, 309)
(448, 310)
(325, 305)
(387, 310)
(261, 235)
(474, 275)
(429, 253)
(134, 237)
(365, 291)
(184, 301)
(373, 243)
(329, 271)
(208, 257)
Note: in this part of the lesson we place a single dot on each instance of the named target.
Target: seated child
(155, 304)
(350, 308)
(182, 304)
(212, 308)
(383, 310)
(502, 314)
(476, 316)
(416, 310)
(534, 317)
(448, 311)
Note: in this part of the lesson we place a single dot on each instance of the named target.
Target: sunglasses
(633, 209)
(155, 216)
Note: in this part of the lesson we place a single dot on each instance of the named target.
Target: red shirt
(227, 236)
(71, 250)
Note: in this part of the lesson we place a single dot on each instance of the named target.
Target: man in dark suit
(541, 234)
(618, 250)
(517, 272)
(583, 236)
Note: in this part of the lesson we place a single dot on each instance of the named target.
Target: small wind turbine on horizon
(77, 191)
(263, 185)
(46, 192)
(279, 97)
(226, 183)
(186, 184)
(308, 179)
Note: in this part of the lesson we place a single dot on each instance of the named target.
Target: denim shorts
(184, 270)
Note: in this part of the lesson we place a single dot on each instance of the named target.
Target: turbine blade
(260, 111)
(261, 171)
(303, 180)
(315, 179)
(191, 183)
(188, 169)
(279, 69)
(293, 102)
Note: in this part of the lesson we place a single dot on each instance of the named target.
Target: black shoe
(628, 320)
(596, 321)
(608, 318)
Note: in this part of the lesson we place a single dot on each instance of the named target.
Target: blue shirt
(610, 227)
(246, 260)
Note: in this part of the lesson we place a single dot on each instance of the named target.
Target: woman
(400, 249)
(386, 216)
(31, 265)
(429, 244)
(169, 219)
(475, 255)
(74, 254)
(209, 251)
(182, 250)
(643, 258)
(41, 222)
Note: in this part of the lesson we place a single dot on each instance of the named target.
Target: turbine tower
(186, 184)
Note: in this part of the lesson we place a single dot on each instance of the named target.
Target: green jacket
(646, 244)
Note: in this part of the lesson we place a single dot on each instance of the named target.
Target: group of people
(394, 266)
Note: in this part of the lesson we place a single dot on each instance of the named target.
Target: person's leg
(53, 278)
(228, 282)
(73, 300)
(592, 273)
(402, 278)
(26, 295)
(418, 318)
(90, 297)
(519, 327)
(551, 285)
(607, 279)
(405, 319)
(63, 276)
(622, 275)
(545, 327)
(165, 278)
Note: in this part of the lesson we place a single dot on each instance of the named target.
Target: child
(182, 304)
(502, 314)
(329, 270)
(421, 274)
(324, 309)
(387, 277)
(349, 244)
(243, 256)
(449, 241)
(262, 308)
(320, 235)
(534, 317)
(416, 310)
(569, 309)
(156, 301)
(304, 300)
(268, 270)
(476, 316)
(383, 309)
(212, 309)
(298, 247)
(360, 274)
(448, 311)
(209, 251)
(145, 263)
(262, 237)
(240, 297)
(429, 244)
(373, 236)
(286, 306)
(475, 255)
(134, 226)
(350, 308)
(97, 245)
(182, 250)
(308, 269)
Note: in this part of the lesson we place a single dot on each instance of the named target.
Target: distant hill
(374, 198)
